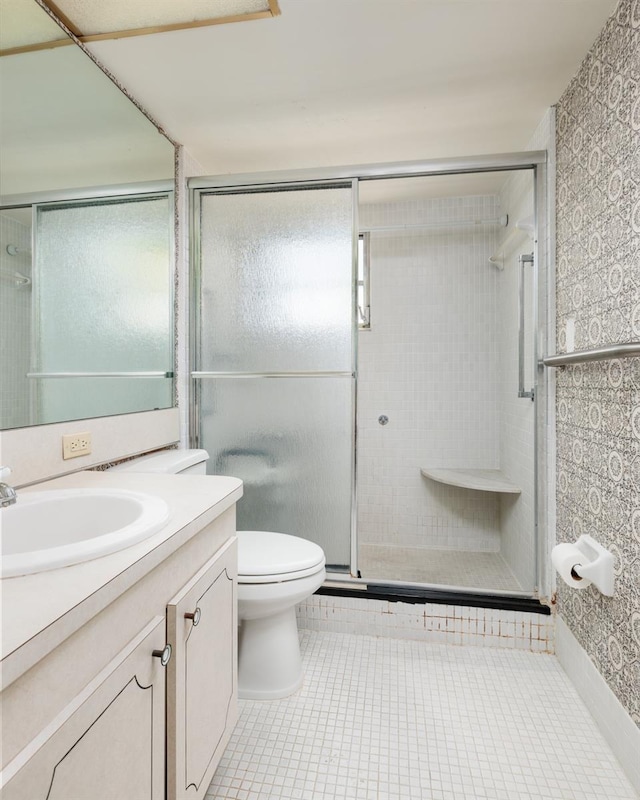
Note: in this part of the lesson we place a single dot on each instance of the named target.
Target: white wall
(35, 454)
(429, 363)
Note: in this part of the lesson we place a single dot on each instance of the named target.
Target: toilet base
(269, 661)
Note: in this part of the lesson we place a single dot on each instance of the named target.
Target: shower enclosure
(364, 346)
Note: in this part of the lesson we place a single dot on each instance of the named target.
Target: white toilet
(275, 572)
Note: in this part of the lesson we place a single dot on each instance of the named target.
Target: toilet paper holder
(596, 566)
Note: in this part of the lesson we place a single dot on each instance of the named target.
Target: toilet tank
(183, 462)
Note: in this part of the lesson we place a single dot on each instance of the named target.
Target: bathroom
(391, 398)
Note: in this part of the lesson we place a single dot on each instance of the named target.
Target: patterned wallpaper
(598, 286)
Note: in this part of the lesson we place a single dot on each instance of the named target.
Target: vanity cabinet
(108, 742)
(127, 726)
(201, 693)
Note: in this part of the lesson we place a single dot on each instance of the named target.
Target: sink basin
(47, 530)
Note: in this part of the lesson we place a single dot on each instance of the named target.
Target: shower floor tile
(446, 567)
(387, 719)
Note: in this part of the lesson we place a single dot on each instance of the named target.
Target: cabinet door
(202, 675)
(108, 743)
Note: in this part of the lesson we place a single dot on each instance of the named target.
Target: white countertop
(48, 606)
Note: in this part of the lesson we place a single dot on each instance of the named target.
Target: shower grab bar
(200, 374)
(99, 374)
(523, 260)
(609, 351)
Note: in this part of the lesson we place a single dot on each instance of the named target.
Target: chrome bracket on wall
(526, 258)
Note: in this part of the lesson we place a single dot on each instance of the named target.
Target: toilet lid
(262, 553)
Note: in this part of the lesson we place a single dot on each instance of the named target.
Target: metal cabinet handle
(194, 616)
(163, 655)
(524, 259)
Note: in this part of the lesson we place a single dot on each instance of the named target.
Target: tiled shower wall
(429, 363)
(15, 322)
(598, 285)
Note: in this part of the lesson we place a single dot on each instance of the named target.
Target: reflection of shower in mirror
(14, 250)
(17, 277)
(12, 276)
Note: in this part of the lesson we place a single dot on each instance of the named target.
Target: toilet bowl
(275, 572)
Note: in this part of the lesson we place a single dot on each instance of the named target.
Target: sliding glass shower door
(273, 376)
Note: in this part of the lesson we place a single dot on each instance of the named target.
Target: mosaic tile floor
(447, 567)
(388, 719)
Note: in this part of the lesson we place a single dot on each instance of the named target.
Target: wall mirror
(86, 235)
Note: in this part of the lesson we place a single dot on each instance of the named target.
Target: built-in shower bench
(482, 480)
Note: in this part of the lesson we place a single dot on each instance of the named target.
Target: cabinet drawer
(108, 743)
(202, 675)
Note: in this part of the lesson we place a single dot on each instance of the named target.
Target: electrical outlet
(76, 444)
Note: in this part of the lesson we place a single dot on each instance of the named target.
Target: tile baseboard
(617, 727)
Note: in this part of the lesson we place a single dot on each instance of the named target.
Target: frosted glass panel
(290, 440)
(103, 303)
(277, 283)
(78, 398)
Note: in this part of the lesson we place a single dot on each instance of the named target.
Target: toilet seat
(267, 557)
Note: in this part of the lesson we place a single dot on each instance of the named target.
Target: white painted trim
(617, 727)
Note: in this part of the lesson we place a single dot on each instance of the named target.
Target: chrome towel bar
(609, 351)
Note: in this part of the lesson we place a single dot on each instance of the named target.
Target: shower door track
(534, 160)
(420, 594)
(505, 162)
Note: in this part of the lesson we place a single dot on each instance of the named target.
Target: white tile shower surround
(379, 719)
(433, 296)
(445, 567)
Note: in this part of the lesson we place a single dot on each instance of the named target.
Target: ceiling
(25, 28)
(354, 81)
(25, 24)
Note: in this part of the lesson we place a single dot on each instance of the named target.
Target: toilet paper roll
(564, 557)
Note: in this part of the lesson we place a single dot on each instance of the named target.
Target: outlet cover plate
(75, 445)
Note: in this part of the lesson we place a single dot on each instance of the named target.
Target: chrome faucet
(7, 493)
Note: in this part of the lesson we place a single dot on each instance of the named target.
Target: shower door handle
(522, 262)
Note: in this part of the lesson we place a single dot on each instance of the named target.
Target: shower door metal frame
(195, 375)
(534, 160)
